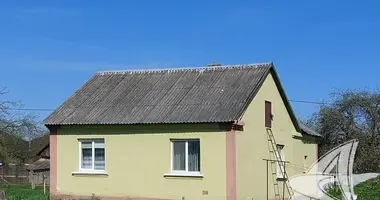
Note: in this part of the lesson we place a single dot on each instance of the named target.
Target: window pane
(280, 151)
(99, 158)
(87, 145)
(86, 155)
(194, 156)
(280, 165)
(179, 155)
(99, 143)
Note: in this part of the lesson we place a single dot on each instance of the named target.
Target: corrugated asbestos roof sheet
(40, 165)
(196, 95)
(308, 130)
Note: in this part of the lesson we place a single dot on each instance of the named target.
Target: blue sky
(48, 49)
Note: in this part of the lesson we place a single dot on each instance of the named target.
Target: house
(196, 133)
(37, 145)
(39, 170)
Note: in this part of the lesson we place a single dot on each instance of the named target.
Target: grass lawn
(368, 190)
(24, 192)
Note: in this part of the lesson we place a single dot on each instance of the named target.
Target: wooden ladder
(277, 160)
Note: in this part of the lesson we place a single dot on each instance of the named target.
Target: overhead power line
(31, 109)
(309, 102)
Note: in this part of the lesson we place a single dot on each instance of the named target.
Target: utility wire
(50, 109)
(31, 109)
(309, 102)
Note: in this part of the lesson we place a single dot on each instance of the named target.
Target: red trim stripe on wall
(53, 161)
(230, 165)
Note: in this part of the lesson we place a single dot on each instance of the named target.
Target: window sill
(89, 173)
(196, 175)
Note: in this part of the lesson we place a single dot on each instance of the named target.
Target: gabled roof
(38, 144)
(186, 95)
(41, 164)
(45, 152)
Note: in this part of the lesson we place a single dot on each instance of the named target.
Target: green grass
(334, 192)
(24, 192)
(368, 190)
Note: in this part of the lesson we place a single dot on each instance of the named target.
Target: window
(268, 114)
(92, 155)
(280, 165)
(185, 156)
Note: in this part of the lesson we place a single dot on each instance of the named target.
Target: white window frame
(280, 165)
(92, 170)
(185, 172)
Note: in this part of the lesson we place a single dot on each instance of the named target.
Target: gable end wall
(252, 144)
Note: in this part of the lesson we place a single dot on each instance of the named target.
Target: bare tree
(16, 128)
(353, 114)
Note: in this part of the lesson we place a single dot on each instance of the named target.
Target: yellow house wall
(305, 146)
(252, 144)
(137, 159)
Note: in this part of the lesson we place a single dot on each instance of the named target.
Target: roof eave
(285, 100)
(308, 131)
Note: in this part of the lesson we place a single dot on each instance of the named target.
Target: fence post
(31, 174)
(2, 171)
(44, 178)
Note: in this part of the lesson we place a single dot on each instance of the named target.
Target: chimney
(214, 64)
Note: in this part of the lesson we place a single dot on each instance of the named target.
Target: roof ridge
(183, 68)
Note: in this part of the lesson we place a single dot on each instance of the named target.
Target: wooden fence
(38, 178)
(16, 174)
